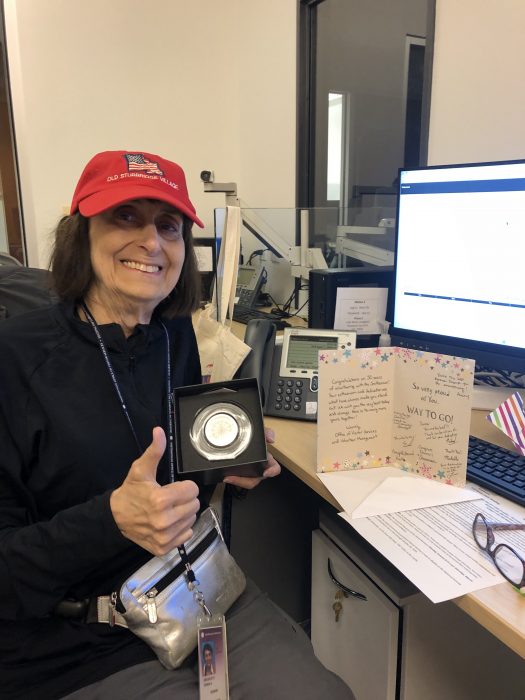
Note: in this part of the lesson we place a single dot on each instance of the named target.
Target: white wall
(211, 85)
(478, 84)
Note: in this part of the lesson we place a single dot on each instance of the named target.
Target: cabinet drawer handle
(344, 588)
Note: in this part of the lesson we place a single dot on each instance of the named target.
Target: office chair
(6, 259)
(23, 289)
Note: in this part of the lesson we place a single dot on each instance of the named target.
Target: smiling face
(137, 253)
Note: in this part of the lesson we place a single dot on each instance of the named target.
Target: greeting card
(397, 407)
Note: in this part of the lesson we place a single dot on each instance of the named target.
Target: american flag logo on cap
(137, 162)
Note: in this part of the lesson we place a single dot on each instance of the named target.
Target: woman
(85, 494)
(208, 666)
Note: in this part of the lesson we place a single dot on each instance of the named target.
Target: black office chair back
(6, 259)
(23, 289)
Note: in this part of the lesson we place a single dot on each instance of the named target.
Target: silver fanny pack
(161, 602)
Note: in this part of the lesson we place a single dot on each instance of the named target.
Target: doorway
(364, 84)
(11, 229)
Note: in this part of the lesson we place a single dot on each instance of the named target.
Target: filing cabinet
(361, 646)
(398, 645)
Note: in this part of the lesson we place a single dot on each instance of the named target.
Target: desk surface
(499, 609)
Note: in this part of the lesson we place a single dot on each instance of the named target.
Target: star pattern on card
(441, 474)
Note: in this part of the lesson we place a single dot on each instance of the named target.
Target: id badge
(213, 658)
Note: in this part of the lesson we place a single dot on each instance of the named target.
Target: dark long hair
(73, 274)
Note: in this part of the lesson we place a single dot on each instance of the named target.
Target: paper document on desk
(360, 309)
(369, 492)
(395, 407)
(434, 547)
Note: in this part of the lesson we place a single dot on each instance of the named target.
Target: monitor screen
(460, 252)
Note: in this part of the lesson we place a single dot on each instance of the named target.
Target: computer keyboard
(244, 314)
(497, 469)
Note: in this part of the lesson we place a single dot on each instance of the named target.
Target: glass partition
(279, 248)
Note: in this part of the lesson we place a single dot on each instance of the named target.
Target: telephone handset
(287, 367)
(260, 336)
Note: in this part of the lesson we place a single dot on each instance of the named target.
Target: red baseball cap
(114, 177)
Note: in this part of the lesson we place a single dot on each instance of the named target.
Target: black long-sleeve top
(65, 445)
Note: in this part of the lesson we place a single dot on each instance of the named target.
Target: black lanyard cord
(170, 410)
(112, 374)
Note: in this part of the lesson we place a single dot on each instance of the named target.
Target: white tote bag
(220, 350)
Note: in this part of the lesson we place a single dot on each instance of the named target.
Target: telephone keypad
(290, 393)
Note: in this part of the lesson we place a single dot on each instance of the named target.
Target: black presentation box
(190, 402)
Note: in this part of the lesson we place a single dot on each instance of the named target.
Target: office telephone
(287, 366)
(249, 283)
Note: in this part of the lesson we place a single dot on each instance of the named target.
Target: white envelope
(366, 492)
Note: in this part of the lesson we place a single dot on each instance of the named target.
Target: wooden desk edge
(479, 606)
(499, 609)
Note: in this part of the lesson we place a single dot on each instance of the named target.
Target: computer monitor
(459, 264)
(323, 287)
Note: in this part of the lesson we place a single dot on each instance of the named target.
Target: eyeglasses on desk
(508, 562)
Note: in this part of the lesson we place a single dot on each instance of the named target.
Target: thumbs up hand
(155, 517)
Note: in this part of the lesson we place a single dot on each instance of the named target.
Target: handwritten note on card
(395, 406)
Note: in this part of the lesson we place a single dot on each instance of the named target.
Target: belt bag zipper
(168, 578)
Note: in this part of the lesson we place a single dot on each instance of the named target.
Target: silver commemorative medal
(221, 431)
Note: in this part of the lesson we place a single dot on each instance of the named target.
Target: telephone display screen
(303, 350)
(245, 276)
